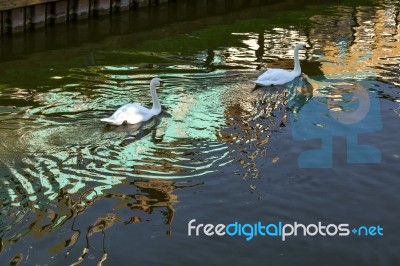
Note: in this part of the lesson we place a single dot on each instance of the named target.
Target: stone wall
(23, 15)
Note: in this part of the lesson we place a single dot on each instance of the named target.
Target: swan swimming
(134, 113)
(276, 76)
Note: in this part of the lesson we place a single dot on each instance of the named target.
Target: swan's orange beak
(161, 83)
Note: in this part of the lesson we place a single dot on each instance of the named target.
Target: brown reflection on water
(251, 124)
(370, 39)
(66, 209)
(154, 195)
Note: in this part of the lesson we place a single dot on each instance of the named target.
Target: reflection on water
(65, 212)
(57, 160)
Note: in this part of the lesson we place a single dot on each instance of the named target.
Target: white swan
(134, 113)
(276, 76)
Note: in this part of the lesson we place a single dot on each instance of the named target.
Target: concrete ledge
(38, 16)
(79, 9)
(61, 11)
(21, 15)
(101, 7)
(120, 5)
(18, 19)
(12, 4)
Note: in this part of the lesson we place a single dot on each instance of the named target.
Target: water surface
(74, 191)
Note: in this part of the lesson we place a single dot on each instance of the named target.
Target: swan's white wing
(274, 76)
(131, 113)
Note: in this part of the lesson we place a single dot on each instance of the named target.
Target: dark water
(74, 191)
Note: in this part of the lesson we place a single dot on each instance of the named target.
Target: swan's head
(300, 46)
(157, 82)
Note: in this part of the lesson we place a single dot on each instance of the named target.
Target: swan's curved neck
(297, 68)
(156, 102)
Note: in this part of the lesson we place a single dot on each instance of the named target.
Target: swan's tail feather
(263, 83)
(111, 121)
(259, 83)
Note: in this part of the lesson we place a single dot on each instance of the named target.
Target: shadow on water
(68, 182)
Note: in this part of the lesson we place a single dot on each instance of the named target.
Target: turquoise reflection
(68, 148)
